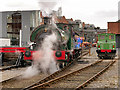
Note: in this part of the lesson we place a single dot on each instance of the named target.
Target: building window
(14, 27)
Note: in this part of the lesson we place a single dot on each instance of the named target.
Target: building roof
(20, 11)
(61, 19)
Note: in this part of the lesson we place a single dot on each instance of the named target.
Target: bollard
(89, 50)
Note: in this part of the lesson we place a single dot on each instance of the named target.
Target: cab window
(102, 37)
(111, 37)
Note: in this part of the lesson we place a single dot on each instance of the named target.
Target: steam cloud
(46, 6)
(45, 56)
(43, 59)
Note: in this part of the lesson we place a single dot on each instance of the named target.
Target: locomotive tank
(64, 50)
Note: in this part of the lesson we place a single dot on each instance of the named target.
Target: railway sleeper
(73, 80)
(82, 80)
(78, 79)
(65, 85)
(85, 73)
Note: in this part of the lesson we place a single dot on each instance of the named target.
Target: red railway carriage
(6, 53)
(27, 54)
(12, 49)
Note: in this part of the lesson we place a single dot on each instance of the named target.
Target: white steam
(46, 6)
(30, 72)
(43, 59)
(47, 61)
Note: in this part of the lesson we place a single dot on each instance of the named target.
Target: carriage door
(106, 44)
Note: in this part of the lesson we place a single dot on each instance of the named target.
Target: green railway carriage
(106, 45)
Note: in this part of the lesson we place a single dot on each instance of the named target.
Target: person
(78, 42)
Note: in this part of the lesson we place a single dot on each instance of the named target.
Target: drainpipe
(36, 14)
(20, 38)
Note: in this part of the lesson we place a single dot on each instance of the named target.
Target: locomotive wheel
(61, 65)
(100, 57)
(23, 63)
(65, 64)
(57, 65)
(112, 57)
(79, 53)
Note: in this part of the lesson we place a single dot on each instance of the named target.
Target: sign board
(4, 42)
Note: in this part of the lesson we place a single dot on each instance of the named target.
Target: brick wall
(114, 27)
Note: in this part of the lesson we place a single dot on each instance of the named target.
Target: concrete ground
(107, 80)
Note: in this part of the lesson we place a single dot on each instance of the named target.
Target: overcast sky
(97, 12)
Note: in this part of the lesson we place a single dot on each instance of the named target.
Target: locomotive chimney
(46, 20)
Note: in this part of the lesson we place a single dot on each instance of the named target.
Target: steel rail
(9, 79)
(61, 77)
(44, 85)
(95, 76)
(8, 68)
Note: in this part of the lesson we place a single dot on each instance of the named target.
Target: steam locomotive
(64, 51)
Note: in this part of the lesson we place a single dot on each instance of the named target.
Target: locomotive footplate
(106, 53)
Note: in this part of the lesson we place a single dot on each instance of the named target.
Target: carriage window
(111, 36)
(102, 37)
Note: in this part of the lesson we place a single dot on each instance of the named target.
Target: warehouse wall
(119, 10)
(113, 27)
(25, 28)
(0, 24)
(118, 40)
(3, 25)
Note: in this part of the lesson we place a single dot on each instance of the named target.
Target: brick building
(114, 27)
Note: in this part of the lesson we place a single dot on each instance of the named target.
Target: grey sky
(97, 12)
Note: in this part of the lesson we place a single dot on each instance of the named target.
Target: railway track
(77, 79)
(16, 65)
(8, 67)
(18, 82)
